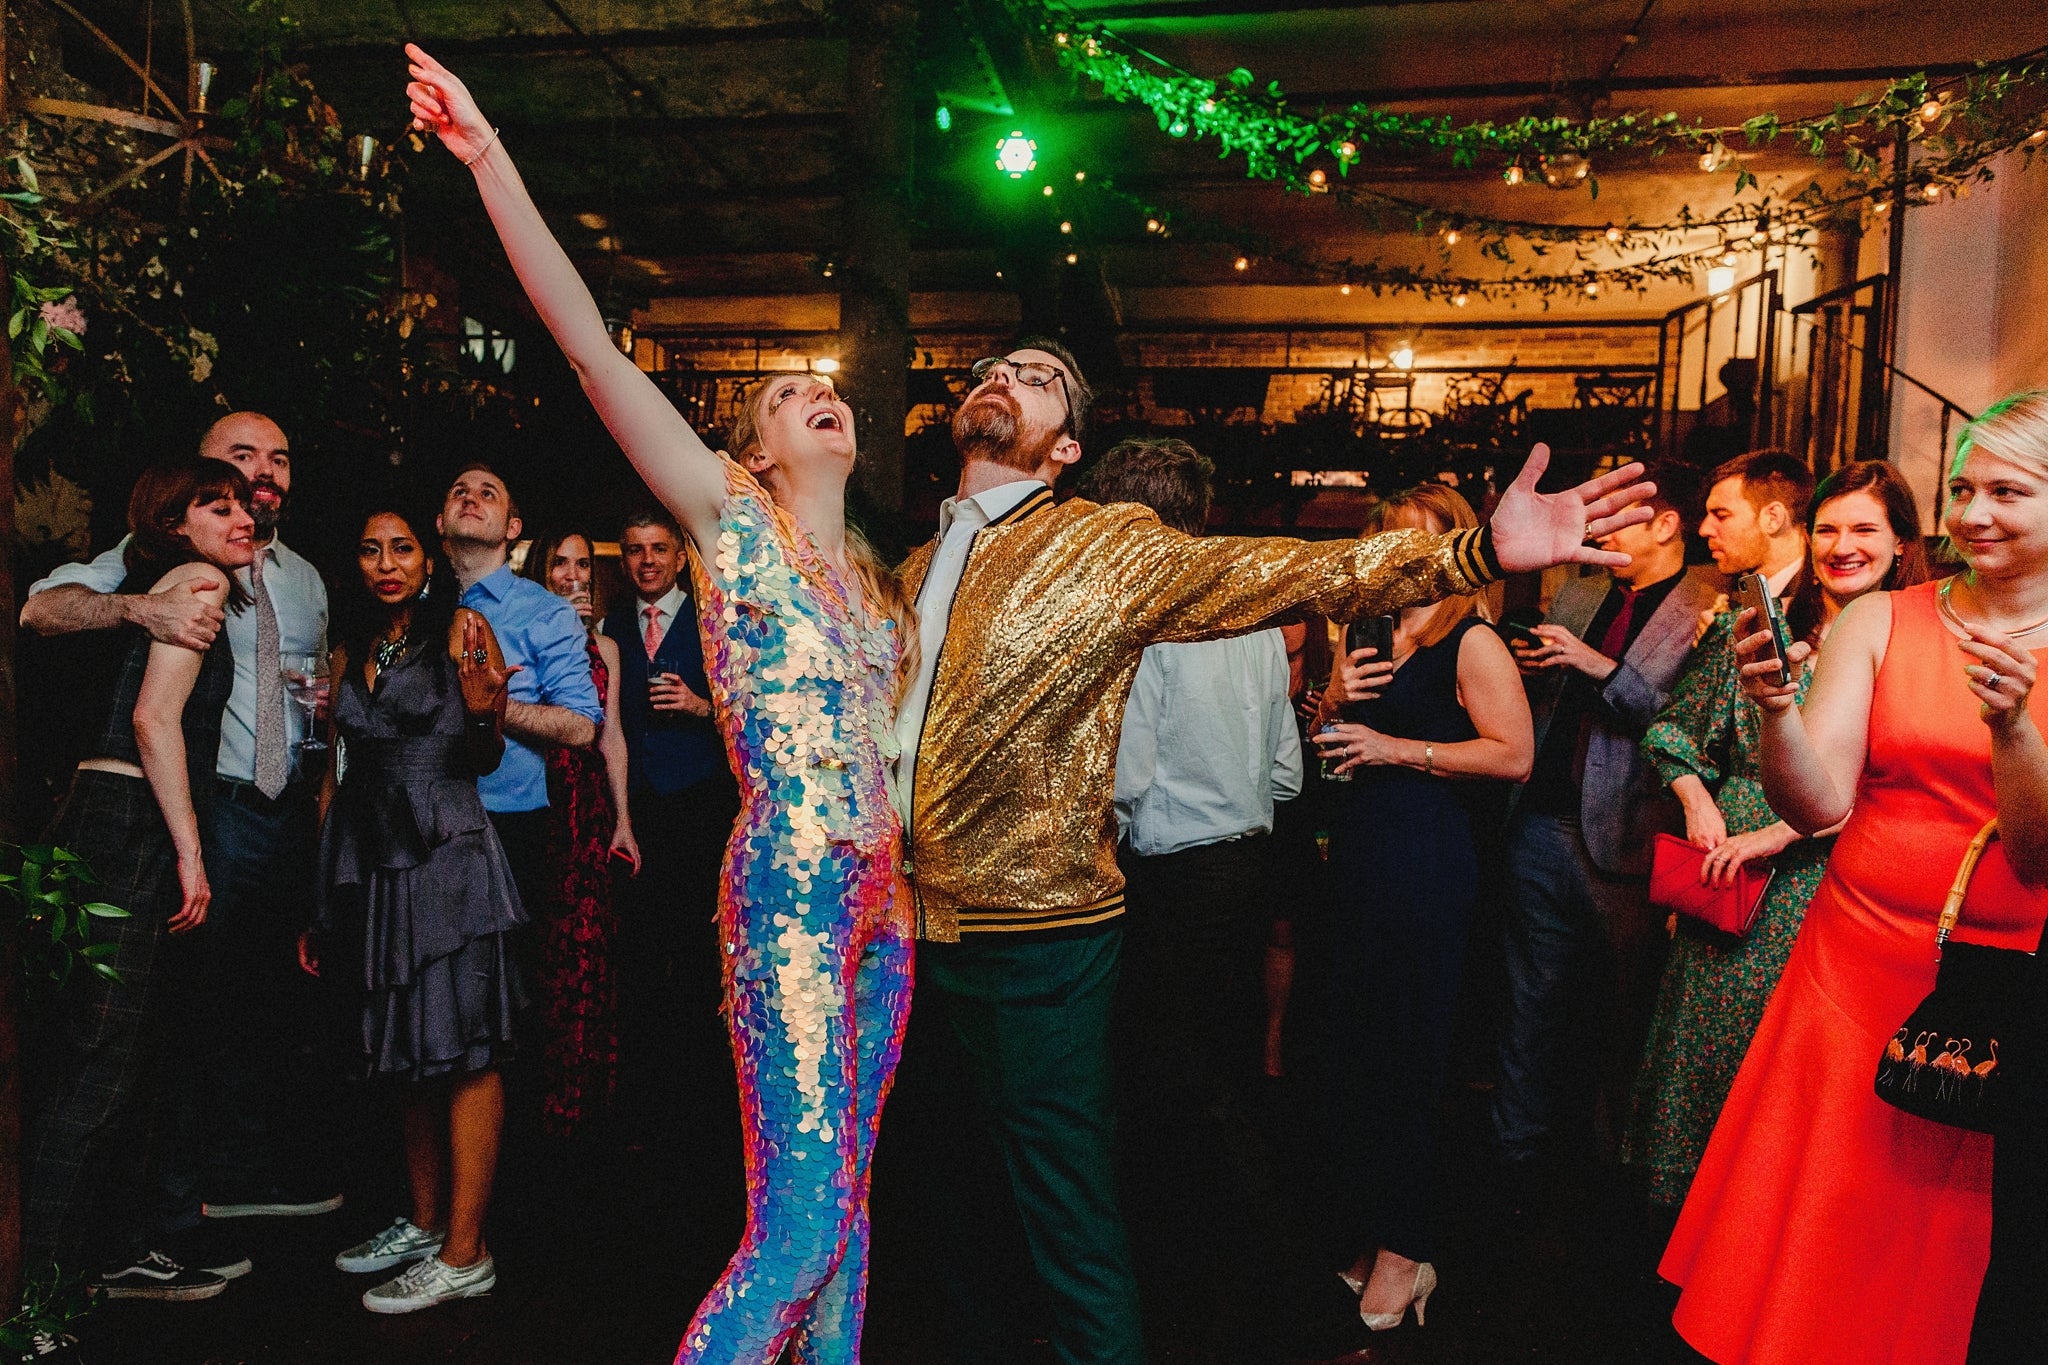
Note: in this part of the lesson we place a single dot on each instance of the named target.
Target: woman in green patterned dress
(1863, 535)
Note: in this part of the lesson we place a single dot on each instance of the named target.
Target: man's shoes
(275, 1202)
(428, 1282)
(395, 1245)
(211, 1248)
(156, 1276)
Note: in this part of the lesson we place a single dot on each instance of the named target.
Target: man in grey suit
(1583, 946)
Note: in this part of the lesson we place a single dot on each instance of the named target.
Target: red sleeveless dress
(1825, 1224)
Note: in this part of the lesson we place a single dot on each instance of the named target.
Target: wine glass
(305, 680)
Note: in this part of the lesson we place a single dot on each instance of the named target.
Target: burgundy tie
(1613, 643)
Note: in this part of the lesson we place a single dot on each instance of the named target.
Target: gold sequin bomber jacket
(1012, 827)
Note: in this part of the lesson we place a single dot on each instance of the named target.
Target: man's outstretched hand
(1534, 530)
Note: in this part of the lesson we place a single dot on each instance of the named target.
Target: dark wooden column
(874, 292)
(10, 964)
(1885, 354)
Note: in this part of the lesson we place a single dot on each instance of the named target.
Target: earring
(425, 587)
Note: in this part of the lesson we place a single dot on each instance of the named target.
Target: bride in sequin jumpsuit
(801, 642)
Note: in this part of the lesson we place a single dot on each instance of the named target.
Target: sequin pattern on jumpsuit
(814, 924)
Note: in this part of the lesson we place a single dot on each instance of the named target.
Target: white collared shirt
(1782, 579)
(1208, 744)
(298, 598)
(959, 521)
(666, 608)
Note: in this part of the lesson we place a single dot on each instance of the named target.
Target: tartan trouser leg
(86, 1143)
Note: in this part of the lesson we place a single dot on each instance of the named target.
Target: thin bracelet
(471, 161)
(1429, 760)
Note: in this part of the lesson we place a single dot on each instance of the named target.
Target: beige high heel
(1418, 1298)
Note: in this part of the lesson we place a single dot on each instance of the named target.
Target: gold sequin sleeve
(1176, 587)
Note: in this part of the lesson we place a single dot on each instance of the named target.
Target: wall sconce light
(202, 85)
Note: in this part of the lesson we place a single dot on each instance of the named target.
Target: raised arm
(1812, 758)
(680, 468)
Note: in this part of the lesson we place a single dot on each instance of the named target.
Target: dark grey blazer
(1623, 804)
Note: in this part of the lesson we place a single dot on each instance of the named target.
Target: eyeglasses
(1032, 374)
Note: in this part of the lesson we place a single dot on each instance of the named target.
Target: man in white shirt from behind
(1208, 745)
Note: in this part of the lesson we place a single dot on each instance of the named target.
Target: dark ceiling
(692, 146)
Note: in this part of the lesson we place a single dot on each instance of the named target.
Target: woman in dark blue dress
(1447, 709)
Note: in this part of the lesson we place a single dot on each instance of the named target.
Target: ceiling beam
(1226, 9)
(1793, 76)
(564, 44)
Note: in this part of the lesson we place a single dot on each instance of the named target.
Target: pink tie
(653, 630)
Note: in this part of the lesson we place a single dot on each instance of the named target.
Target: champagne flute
(305, 680)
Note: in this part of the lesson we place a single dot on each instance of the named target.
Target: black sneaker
(156, 1276)
(211, 1248)
(273, 1203)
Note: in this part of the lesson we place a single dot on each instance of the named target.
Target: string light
(1153, 225)
(2037, 137)
(1930, 111)
(944, 118)
(1460, 299)
(1710, 159)
(1403, 356)
(1513, 174)
(1047, 191)
(1345, 290)
(1060, 38)
(1080, 176)
(1613, 234)
(1241, 263)
(1317, 179)
(1073, 258)
(1451, 237)
(1179, 127)
(1347, 150)
(1592, 289)
(1933, 193)
(825, 364)
(1066, 227)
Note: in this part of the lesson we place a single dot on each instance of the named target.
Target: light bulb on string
(1318, 179)
(1242, 263)
(1513, 174)
(1613, 234)
(1047, 191)
(1933, 192)
(1153, 225)
(1930, 111)
(1060, 39)
(1710, 159)
(1403, 356)
(1592, 289)
(2037, 137)
(1460, 299)
(1066, 226)
(1451, 236)
(1881, 207)
(1345, 290)
(1080, 176)
(1073, 258)
(1565, 170)
(1178, 128)
(1347, 150)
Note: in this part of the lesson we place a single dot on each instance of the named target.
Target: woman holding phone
(1824, 1223)
(1863, 535)
(804, 633)
(1445, 706)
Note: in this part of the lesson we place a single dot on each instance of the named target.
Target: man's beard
(991, 427)
(264, 515)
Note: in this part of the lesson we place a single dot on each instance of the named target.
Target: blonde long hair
(878, 582)
(1431, 507)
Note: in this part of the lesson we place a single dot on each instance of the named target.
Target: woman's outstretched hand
(443, 106)
(1533, 530)
(1759, 670)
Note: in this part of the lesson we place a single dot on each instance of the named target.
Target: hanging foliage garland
(1956, 129)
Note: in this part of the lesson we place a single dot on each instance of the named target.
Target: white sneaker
(395, 1245)
(426, 1283)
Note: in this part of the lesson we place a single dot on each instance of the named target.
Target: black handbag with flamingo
(1962, 1053)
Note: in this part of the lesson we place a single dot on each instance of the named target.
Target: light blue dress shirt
(542, 633)
(297, 596)
(1208, 744)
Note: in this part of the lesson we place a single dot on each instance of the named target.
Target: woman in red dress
(588, 826)
(1825, 1224)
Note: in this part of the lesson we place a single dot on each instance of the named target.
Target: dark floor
(603, 1252)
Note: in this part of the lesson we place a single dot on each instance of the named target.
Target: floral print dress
(1713, 993)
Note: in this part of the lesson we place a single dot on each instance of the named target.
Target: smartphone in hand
(1519, 633)
(1754, 593)
(1375, 633)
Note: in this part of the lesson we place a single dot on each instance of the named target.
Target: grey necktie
(273, 763)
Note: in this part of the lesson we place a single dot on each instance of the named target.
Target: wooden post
(10, 964)
(874, 293)
(1878, 440)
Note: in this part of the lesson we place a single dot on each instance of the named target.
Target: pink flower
(67, 315)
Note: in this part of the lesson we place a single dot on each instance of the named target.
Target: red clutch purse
(1675, 885)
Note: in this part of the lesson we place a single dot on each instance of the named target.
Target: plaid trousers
(86, 1148)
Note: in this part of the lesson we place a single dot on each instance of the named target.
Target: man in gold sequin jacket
(1033, 616)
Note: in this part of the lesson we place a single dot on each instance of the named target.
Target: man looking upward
(552, 697)
(1032, 620)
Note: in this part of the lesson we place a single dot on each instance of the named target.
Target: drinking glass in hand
(1329, 762)
(305, 679)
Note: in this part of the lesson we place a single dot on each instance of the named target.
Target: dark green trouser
(1032, 1014)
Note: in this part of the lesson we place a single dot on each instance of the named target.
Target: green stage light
(944, 118)
(1016, 155)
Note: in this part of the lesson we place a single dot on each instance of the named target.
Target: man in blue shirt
(553, 699)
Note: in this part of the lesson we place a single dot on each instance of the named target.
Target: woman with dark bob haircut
(137, 813)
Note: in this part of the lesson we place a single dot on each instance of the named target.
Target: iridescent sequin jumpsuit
(814, 923)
